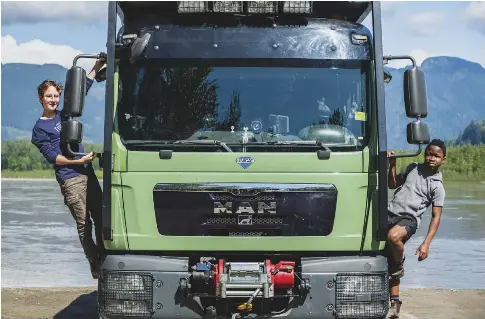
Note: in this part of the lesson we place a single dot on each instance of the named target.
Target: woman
(78, 182)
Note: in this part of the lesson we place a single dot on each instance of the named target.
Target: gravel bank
(80, 302)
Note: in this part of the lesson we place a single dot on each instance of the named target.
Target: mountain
(455, 91)
(21, 107)
(473, 134)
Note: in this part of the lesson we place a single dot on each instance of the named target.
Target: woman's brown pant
(83, 195)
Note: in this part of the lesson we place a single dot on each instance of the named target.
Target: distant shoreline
(35, 175)
(477, 179)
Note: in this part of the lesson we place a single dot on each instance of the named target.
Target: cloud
(40, 52)
(73, 12)
(475, 15)
(389, 7)
(426, 23)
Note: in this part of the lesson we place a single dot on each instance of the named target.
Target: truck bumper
(148, 287)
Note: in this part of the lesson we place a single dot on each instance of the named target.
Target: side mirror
(415, 103)
(415, 100)
(75, 91)
(72, 133)
(417, 133)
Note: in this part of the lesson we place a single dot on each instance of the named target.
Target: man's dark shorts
(407, 221)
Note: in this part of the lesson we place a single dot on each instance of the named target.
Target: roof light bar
(262, 7)
(297, 7)
(228, 6)
(191, 6)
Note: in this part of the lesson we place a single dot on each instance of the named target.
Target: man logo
(245, 208)
(244, 220)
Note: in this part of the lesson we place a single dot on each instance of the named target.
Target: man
(420, 186)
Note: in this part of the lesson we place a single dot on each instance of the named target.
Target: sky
(54, 32)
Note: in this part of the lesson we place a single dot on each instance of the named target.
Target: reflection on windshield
(242, 104)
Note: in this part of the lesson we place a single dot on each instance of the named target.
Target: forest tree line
(463, 161)
(22, 155)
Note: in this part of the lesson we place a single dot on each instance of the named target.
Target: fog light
(127, 306)
(125, 294)
(123, 281)
(361, 295)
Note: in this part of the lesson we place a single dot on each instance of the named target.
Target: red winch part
(217, 271)
(282, 274)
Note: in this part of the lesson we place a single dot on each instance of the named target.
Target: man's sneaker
(393, 312)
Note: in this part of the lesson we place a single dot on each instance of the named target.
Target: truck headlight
(297, 7)
(191, 6)
(361, 295)
(125, 293)
(228, 6)
(262, 7)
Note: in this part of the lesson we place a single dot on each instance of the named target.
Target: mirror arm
(88, 56)
(71, 152)
(399, 57)
(420, 146)
(69, 149)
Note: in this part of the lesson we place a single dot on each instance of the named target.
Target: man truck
(245, 159)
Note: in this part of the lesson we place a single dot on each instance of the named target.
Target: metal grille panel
(230, 197)
(245, 233)
(262, 6)
(297, 7)
(126, 294)
(361, 295)
(228, 6)
(257, 220)
(192, 6)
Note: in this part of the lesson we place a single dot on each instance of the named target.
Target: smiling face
(49, 96)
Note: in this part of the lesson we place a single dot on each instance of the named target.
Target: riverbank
(35, 174)
(81, 302)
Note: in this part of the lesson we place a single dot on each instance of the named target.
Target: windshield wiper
(183, 142)
(204, 142)
(322, 154)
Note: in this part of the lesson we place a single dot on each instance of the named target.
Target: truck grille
(245, 233)
(257, 220)
(230, 197)
(245, 209)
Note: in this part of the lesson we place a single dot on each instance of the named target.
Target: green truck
(245, 159)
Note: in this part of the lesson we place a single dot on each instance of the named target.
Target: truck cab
(245, 159)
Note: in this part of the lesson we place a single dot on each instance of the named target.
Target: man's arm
(41, 141)
(97, 66)
(438, 202)
(423, 249)
(393, 180)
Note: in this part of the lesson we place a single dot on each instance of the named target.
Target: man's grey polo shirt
(420, 189)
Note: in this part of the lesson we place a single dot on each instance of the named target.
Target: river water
(40, 246)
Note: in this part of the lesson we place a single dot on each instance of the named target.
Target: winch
(237, 279)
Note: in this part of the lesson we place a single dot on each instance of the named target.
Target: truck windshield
(243, 102)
